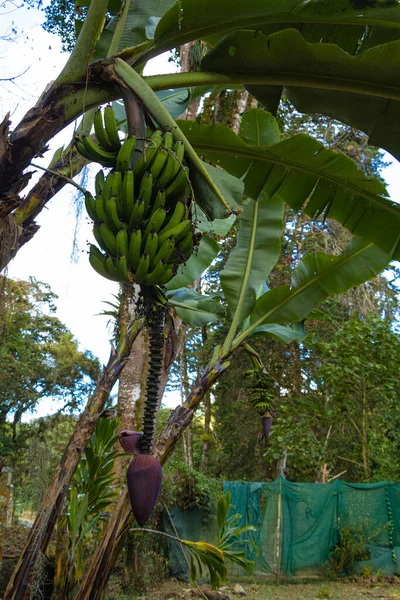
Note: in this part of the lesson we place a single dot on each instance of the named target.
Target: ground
(257, 589)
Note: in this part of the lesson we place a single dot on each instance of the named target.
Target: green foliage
(352, 546)
(186, 488)
(39, 356)
(91, 493)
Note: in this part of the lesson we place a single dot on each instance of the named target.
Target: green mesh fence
(297, 525)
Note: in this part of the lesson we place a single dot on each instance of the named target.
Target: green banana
(108, 239)
(156, 275)
(179, 231)
(110, 269)
(100, 132)
(98, 237)
(93, 152)
(146, 189)
(165, 250)
(113, 220)
(176, 218)
(151, 245)
(179, 185)
(135, 245)
(151, 151)
(168, 275)
(121, 267)
(162, 156)
(137, 214)
(128, 194)
(173, 164)
(100, 267)
(124, 157)
(111, 128)
(142, 268)
(155, 222)
(116, 178)
(99, 182)
(90, 205)
(121, 241)
(96, 252)
(99, 207)
(159, 202)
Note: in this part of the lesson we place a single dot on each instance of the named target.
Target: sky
(49, 255)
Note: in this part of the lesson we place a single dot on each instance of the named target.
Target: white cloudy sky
(48, 256)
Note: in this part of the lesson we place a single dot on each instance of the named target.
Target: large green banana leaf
(286, 58)
(134, 31)
(339, 21)
(318, 276)
(361, 90)
(196, 309)
(305, 174)
(255, 254)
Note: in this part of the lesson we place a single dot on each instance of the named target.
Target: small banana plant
(203, 554)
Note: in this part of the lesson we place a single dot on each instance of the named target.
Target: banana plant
(90, 495)
(341, 61)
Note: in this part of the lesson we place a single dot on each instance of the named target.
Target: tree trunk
(207, 432)
(132, 379)
(51, 506)
(184, 385)
(364, 434)
(122, 518)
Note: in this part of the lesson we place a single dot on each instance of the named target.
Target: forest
(238, 205)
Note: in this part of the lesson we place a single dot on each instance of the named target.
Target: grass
(257, 589)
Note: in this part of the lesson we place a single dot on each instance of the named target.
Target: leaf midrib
(162, 43)
(299, 290)
(248, 153)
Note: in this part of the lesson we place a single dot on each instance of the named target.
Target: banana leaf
(361, 90)
(196, 265)
(341, 21)
(196, 309)
(318, 276)
(255, 254)
(305, 175)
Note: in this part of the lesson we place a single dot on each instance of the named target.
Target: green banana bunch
(142, 217)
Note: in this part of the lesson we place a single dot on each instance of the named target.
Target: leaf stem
(121, 20)
(61, 176)
(227, 345)
(79, 60)
(198, 78)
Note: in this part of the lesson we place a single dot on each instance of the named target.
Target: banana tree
(338, 60)
(282, 49)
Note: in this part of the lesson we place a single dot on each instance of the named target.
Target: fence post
(278, 534)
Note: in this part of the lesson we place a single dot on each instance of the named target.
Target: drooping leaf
(342, 21)
(255, 254)
(286, 58)
(306, 175)
(320, 78)
(220, 227)
(232, 190)
(196, 265)
(194, 308)
(282, 333)
(318, 276)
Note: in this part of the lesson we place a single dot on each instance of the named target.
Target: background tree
(39, 356)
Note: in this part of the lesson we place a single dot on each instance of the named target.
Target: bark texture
(51, 507)
(107, 552)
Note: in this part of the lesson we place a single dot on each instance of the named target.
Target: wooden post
(278, 534)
